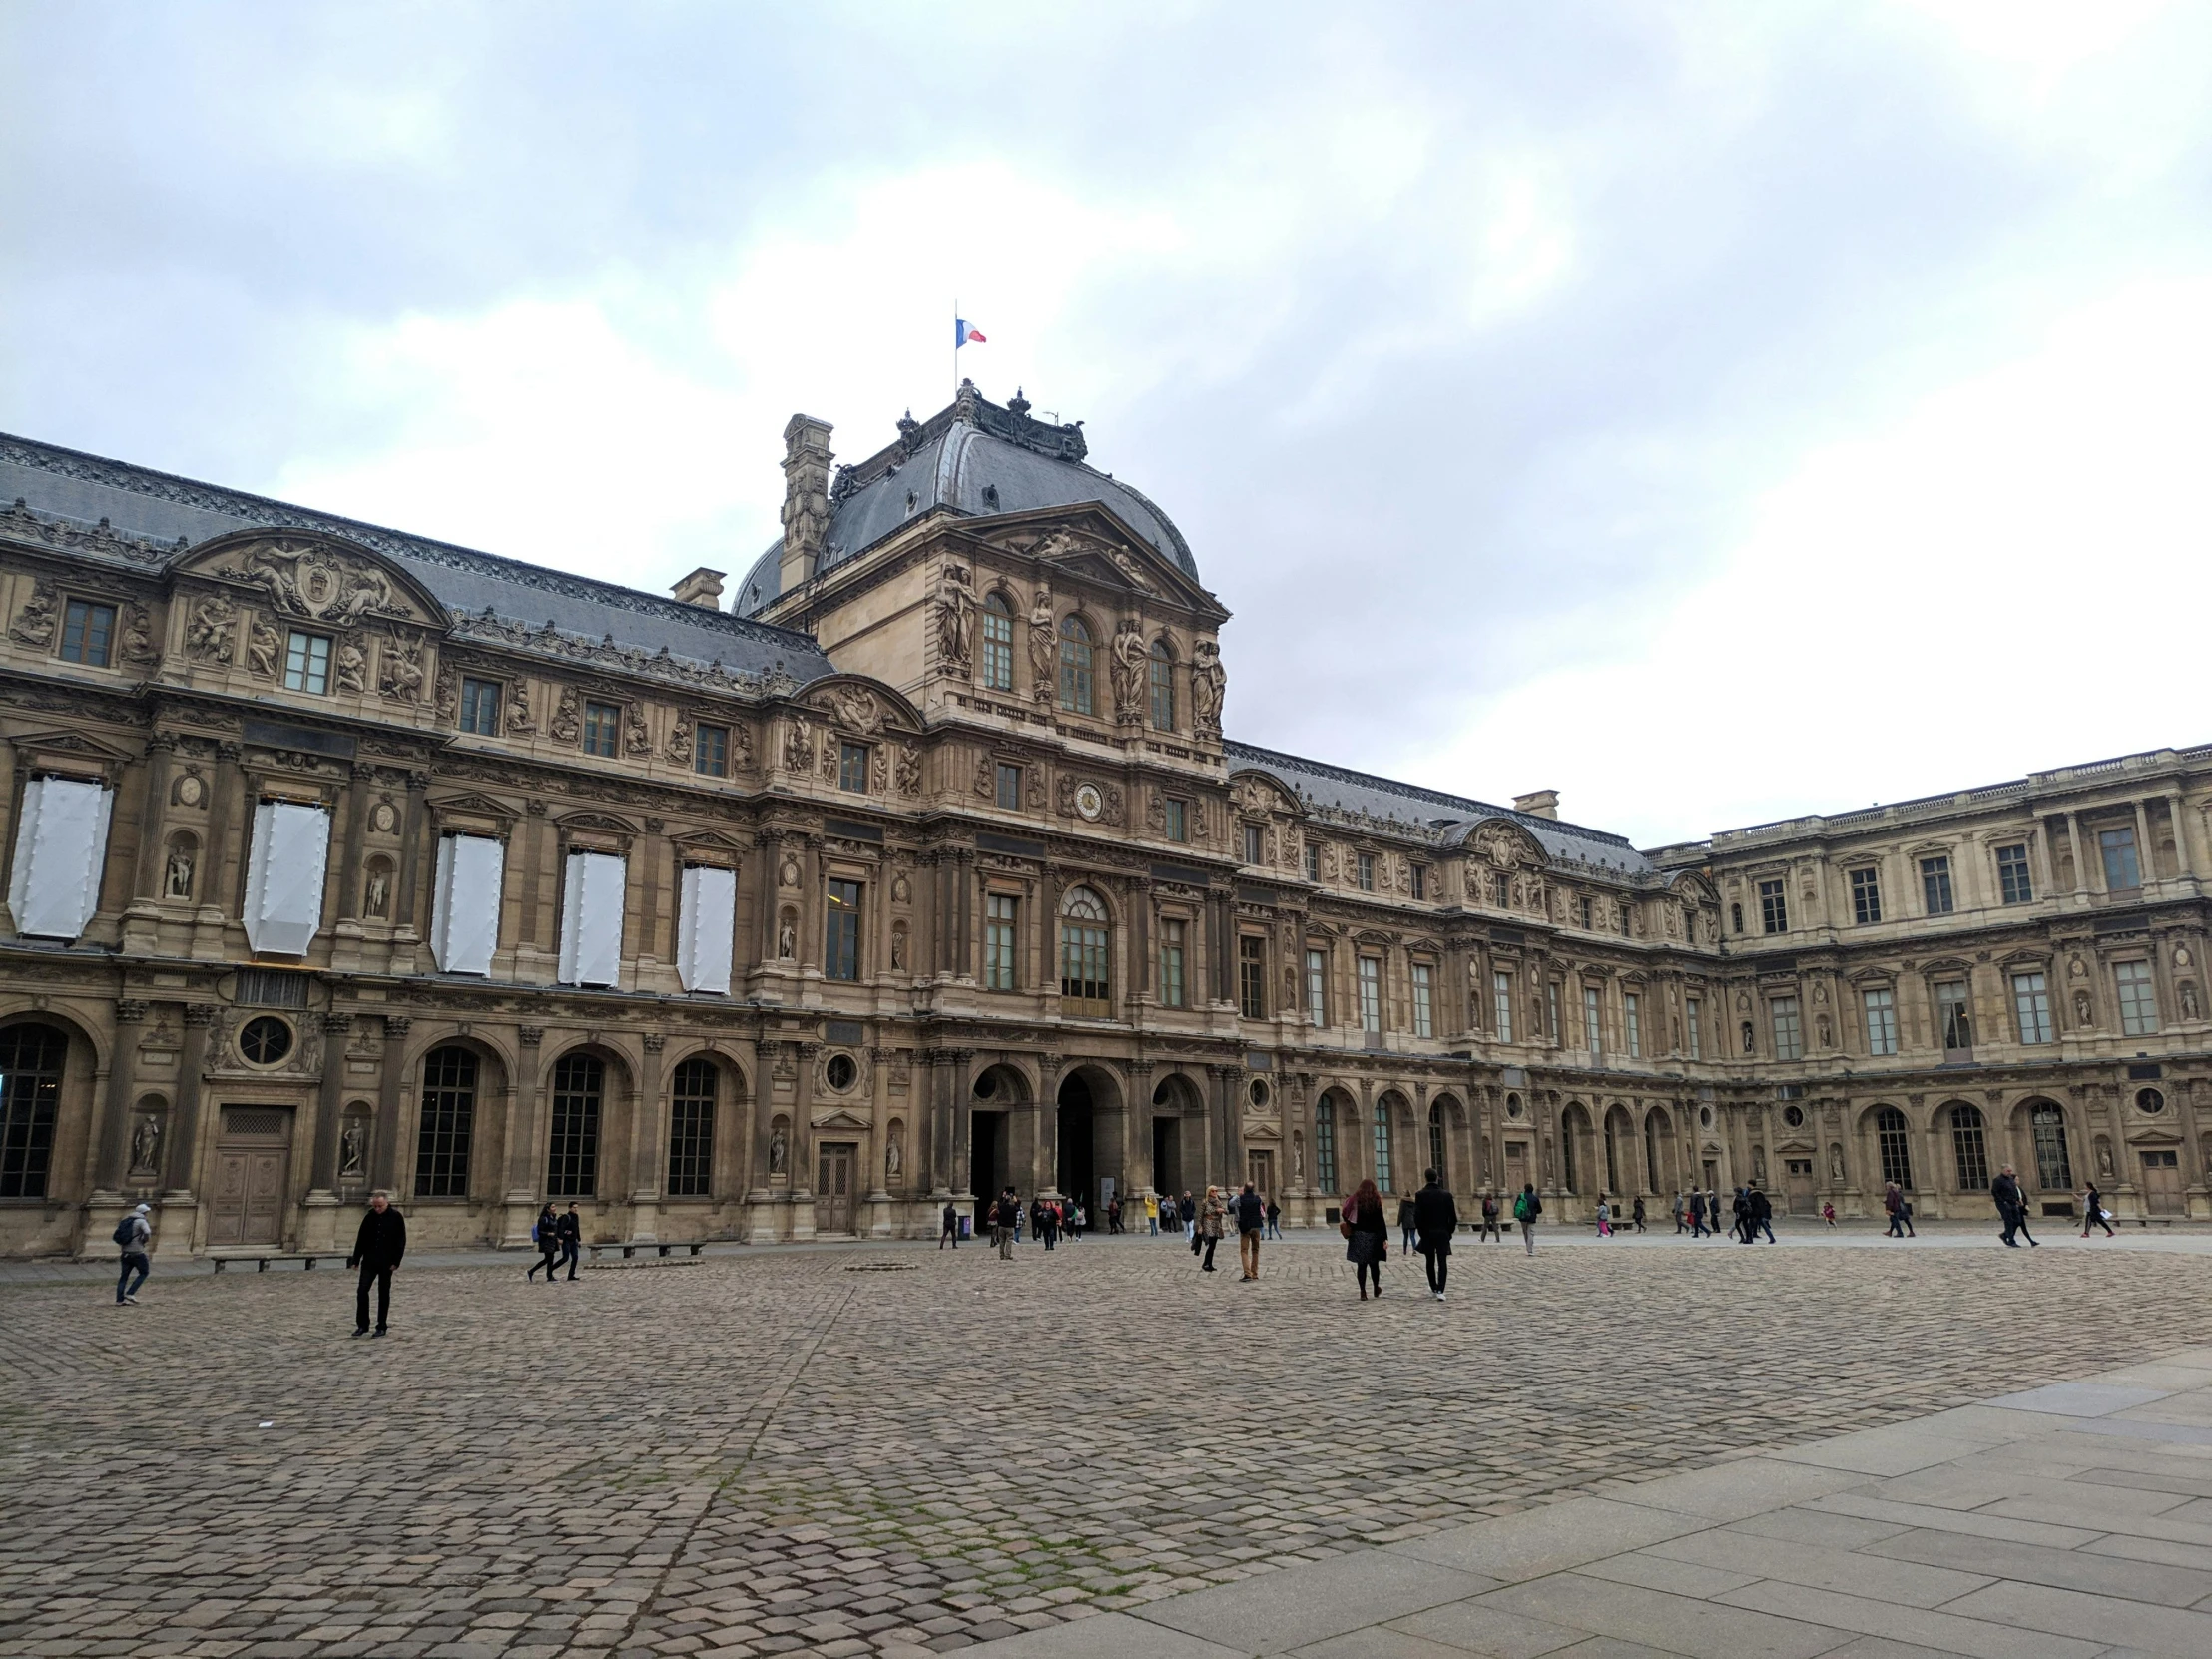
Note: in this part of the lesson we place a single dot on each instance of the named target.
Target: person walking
(1366, 1231)
(1697, 1214)
(1604, 1217)
(1006, 1223)
(1491, 1229)
(1762, 1218)
(1187, 1208)
(1827, 1210)
(570, 1231)
(2093, 1212)
(2011, 1207)
(1679, 1219)
(1212, 1216)
(545, 1234)
(1740, 1209)
(1713, 1210)
(378, 1250)
(1527, 1208)
(1893, 1206)
(1637, 1214)
(1049, 1223)
(1435, 1219)
(949, 1230)
(1252, 1224)
(1113, 1216)
(1406, 1223)
(1273, 1228)
(134, 1234)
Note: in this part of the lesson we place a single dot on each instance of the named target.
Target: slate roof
(1447, 819)
(136, 502)
(975, 458)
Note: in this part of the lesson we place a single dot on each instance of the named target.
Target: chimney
(1538, 804)
(700, 587)
(806, 499)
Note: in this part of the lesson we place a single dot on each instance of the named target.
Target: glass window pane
(1882, 1021)
(1000, 940)
(1370, 994)
(711, 752)
(1075, 666)
(841, 956)
(2138, 999)
(1774, 908)
(1789, 1035)
(2120, 870)
(1171, 964)
(1502, 994)
(1935, 885)
(1316, 992)
(1865, 896)
(1424, 1013)
(572, 1166)
(2012, 878)
(998, 644)
(691, 1129)
(2031, 1003)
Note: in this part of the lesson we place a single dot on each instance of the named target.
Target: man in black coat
(570, 1231)
(2011, 1205)
(1436, 1219)
(1762, 1218)
(1250, 1211)
(377, 1248)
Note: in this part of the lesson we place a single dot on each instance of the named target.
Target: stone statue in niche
(146, 1146)
(519, 722)
(1826, 1040)
(1835, 1164)
(448, 695)
(1131, 665)
(354, 1150)
(349, 670)
(378, 901)
(1042, 645)
(178, 884)
(2104, 1159)
(956, 618)
(2082, 1008)
(894, 1157)
(208, 630)
(1208, 684)
(637, 738)
(779, 1151)
(898, 947)
(786, 941)
(263, 647)
(1297, 1157)
(2188, 999)
(680, 740)
(798, 746)
(986, 780)
(567, 725)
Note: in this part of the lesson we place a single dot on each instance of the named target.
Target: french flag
(962, 334)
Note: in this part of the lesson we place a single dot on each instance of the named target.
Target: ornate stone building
(339, 859)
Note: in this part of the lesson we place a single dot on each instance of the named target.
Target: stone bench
(262, 1259)
(629, 1250)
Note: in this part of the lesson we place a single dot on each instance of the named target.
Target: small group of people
(1428, 1219)
(1607, 1216)
(560, 1242)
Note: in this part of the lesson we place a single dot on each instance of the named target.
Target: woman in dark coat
(546, 1236)
(1369, 1237)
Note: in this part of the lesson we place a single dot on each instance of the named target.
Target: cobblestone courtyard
(893, 1448)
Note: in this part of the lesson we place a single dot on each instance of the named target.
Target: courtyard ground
(893, 1448)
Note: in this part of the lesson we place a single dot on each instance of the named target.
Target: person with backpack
(378, 1250)
(1251, 1221)
(134, 1235)
(1637, 1214)
(1435, 1219)
(570, 1231)
(1366, 1232)
(1490, 1228)
(547, 1234)
(1527, 1208)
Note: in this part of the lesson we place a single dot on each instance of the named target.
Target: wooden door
(1800, 1173)
(1259, 1171)
(1517, 1165)
(2162, 1184)
(834, 1192)
(226, 1202)
(247, 1203)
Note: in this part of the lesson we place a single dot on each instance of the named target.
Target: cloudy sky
(1713, 412)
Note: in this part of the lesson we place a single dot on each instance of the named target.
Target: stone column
(184, 1126)
(1136, 1136)
(803, 1132)
(319, 1222)
(1044, 1167)
(2147, 862)
(1229, 1115)
(960, 1108)
(415, 850)
(226, 802)
(114, 1129)
(648, 1140)
(522, 1140)
(392, 1078)
(349, 908)
(147, 881)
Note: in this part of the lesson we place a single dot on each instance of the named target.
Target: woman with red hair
(1369, 1233)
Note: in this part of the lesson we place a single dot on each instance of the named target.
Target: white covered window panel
(284, 877)
(464, 912)
(591, 919)
(705, 924)
(60, 847)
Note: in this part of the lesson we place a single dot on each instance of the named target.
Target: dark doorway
(1167, 1164)
(1075, 1173)
(986, 1152)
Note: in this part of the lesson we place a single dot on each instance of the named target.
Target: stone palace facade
(341, 859)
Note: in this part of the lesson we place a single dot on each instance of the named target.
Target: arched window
(1075, 665)
(1325, 1145)
(572, 1163)
(30, 1101)
(998, 644)
(448, 1123)
(1382, 1145)
(1436, 1144)
(1895, 1143)
(1970, 1145)
(2053, 1169)
(691, 1129)
(1085, 985)
(1163, 687)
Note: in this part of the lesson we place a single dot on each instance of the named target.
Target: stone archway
(1087, 1138)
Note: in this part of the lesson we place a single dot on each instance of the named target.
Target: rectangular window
(1178, 820)
(2031, 1006)
(1171, 964)
(1366, 873)
(1424, 1000)
(998, 645)
(1690, 1010)
(1162, 674)
(1420, 881)
(464, 909)
(602, 728)
(286, 864)
(2138, 999)
(1009, 787)
(1502, 1005)
(1951, 1014)
(1252, 977)
(1935, 885)
(591, 919)
(1789, 1033)
(61, 843)
(1551, 1012)
(1371, 996)
(446, 1123)
(2014, 886)
(1312, 860)
(2121, 872)
(1255, 840)
(1632, 1025)
(706, 927)
(853, 767)
(1325, 1145)
(88, 630)
(1001, 914)
(710, 750)
(1593, 1022)
(841, 948)
(1865, 896)
(1501, 889)
(1882, 1021)
(1774, 910)
(308, 663)
(1317, 987)
(691, 1130)
(480, 707)
(1586, 913)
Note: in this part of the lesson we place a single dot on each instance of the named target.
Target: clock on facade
(1088, 800)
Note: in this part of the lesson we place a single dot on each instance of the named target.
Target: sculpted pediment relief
(841, 1117)
(315, 579)
(1504, 845)
(858, 706)
(480, 806)
(1255, 791)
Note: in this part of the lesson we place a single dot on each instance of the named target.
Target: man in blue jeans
(570, 1231)
(135, 1235)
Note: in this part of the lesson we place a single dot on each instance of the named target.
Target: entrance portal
(1800, 1172)
(834, 1193)
(1075, 1175)
(2162, 1184)
(1166, 1161)
(252, 1160)
(986, 1152)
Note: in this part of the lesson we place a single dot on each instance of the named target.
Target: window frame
(1501, 1005)
(576, 1116)
(2016, 879)
(2031, 1007)
(601, 737)
(1174, 813)
(1938, 896)
(445, 1121)
(1006, 780)
(307, 668)
(1425, 999)
(1774, 906)
(1001, 942)
(1780, 1009)
(1877, 1005)
(1086, 955)
(1593, 1019)
(477, 717)
(841, 910)
(1078, 659)
(1954, 1015)
(710, 750)
(1160, 683)
(853, 764)
(1363, 872)
(2117, 846)
(1254, 843)
(1317, 987)
(1969, 1146)
(1866, 896)
(81, 640)
(1252, 976)
(1370, 976)
(30, 1108)
(997, 662)
(1632, 1023)
(692, 1111)
(1174, 962)
(2137, 988)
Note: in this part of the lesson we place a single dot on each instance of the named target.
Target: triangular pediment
(78, 745)
(472, 806)
(841, 1117)
(1091, 545)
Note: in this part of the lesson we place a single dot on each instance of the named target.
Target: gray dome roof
(979, 461)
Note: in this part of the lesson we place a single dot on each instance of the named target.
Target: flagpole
(956, 348)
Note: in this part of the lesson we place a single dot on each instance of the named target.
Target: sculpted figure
(262, 644)
(448, 694)
(1043, 645)
(799, 745)
(1209, 683)
(208, 633)
(567, 725)
(350, 671)
(1130, 666)
(400, 674)
(909, 769)
(352, 1150)
(680, 740)
(637, 741)
(146, 1146)
(178, 884)
(779, 1151)
(786, 941)
(956, 618)
(138, 636)
(894, 1157)
(2188, 999)
(379, 891)
(34, 624)
(519, 722)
